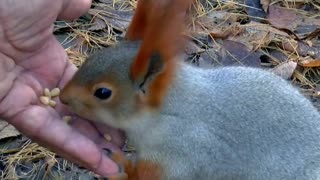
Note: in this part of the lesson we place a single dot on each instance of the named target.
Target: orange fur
(139, 21)
(159, 24)
(142, 170)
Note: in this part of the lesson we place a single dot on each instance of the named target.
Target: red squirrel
(190, 123)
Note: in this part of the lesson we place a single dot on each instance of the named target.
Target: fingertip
(106, 167)
(72, 9)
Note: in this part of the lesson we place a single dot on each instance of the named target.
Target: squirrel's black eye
(103, 93)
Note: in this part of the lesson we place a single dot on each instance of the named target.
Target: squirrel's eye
(103, 93)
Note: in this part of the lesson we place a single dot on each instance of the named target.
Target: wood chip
(44, 100)
(52, 103)
(46, 92)
(107, 137)
(310, 63)
(55, 92)
(67, 119)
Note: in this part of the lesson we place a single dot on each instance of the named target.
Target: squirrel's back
(237, 123)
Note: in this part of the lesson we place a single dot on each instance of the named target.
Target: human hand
(31, 59)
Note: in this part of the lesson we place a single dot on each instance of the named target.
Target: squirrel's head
(102, 89)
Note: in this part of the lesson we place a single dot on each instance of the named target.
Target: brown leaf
(278, 55)
(308, 26)
(209, 58)
(229, 53)
(312, 35)
(265, 4)
(310, 63)
(193, 48)
(301, 48)
(254, 10)
(282, 18)
(99, 24)
(7, 130)
(285, 70)
(215, 21)
(255, 35)
(232, 30)
(238, 53)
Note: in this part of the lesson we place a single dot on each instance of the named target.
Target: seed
(107, 137)
(309, 43)
(67, 119)
(44, 100)
(55, 92)
(52, 103)
(46, 92)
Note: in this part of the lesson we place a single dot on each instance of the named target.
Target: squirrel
(225, 123)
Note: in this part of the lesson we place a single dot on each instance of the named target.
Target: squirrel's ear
(155, 67)
(137, 27)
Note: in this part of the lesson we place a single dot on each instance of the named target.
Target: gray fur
(222, 124)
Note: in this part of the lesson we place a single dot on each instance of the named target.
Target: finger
(118, 139)
(39, 123)
(72, 9)
(68, 73)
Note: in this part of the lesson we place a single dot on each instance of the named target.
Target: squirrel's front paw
(124, 165)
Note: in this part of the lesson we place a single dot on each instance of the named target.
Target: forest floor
(282, 36)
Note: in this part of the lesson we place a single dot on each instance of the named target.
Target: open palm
(31, 59)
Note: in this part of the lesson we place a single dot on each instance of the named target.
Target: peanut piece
(46, 92)
(44, 100)
(52, 103)
(107, 137)
(55, 92)
(67, 119)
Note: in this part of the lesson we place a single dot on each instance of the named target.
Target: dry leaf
(7, 130)
(215, 21)
(312, 35)
(238, 53)
(265, 4)
(232, 30)
(276, 57)
(256, 35)
(254, 10)
(298, 1)
(193, 48)
(99, 24)
(282, 18)
(302, 49)
(209, 58)
(229, 53)
(285, 70)
(309, 25)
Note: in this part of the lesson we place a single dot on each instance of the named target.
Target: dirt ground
(281, 36)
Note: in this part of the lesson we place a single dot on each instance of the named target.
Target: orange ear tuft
(160, 25)
(139, 21)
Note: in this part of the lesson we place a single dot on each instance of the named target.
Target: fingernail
(107, 151)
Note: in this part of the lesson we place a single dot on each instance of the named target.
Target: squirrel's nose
(63, 101)
(64, 97)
